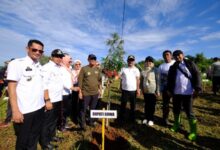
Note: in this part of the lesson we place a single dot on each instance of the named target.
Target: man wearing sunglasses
(25, 87)
(184, 82)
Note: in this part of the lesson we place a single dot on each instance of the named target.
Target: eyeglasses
(77, 64)
(37, 50)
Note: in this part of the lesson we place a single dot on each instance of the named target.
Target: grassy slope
(138, 136)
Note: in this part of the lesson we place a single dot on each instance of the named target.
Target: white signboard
(103, 113)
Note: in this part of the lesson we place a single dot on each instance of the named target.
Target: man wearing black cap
(184, 81)
(53, 89)
(90, 88)
(130, 83)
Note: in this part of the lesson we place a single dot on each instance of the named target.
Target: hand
(138, 92)
(100, 92)
(157, 94)
(195, 94)
(75, 88)
(17, 117)
(48, 105)
(80, 95)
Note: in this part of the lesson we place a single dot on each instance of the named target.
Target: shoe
(62, 129)
(49, 147)
(176, 123)
(67, 127)
(165, 122)
(57, 139)
(92, 124)
(150, 123)
(193, 129)
(4, 124)
(144, 121)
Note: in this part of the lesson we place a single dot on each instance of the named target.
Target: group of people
(178, 79)
(43, 97)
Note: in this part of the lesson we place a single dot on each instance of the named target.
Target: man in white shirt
(53, 91)
(130, 86)
(163, 73)
(25, 87)
(67, 107)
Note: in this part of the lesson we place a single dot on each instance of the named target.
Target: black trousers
(185, 102)
(50, 123)
(65, 111)
(75, 107)
(90, 101)
(215, 84)
(131, 97)
(166, 101)
(28, 132)
(150, 103)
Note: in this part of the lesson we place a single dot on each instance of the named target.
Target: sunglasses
(77, 64)
(37, 50)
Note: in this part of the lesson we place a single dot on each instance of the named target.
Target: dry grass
(135, 135)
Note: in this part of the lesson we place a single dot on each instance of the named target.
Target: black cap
(92, 57)
(131, 57)
(57, 53)
(149, 58)
(177, 52)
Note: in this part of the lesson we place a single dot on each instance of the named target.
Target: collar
(30, 61)
(54, 64)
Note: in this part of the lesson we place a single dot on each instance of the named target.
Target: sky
(82, 27)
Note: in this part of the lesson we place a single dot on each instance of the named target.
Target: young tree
(114, 60)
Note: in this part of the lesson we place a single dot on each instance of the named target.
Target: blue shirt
(183, 84)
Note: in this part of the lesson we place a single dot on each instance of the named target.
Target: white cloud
(218, 21)
(211, 36)
(158, 12)
(209, 9)
(149, 38)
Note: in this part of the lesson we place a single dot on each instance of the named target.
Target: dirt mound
(113, 139)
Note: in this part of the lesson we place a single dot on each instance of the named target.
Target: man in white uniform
(130, 85)
(25, 87)
(53, 90)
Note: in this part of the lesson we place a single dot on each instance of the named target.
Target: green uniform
(89, 80)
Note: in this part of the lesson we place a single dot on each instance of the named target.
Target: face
(77, 65)
(179, 57)
(67, 60)
(57, 60)
(92, 62)
(148, 63)
(131, 62)
(35, 51)
(167, 57)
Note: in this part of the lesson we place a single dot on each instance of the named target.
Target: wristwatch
(46, 100)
